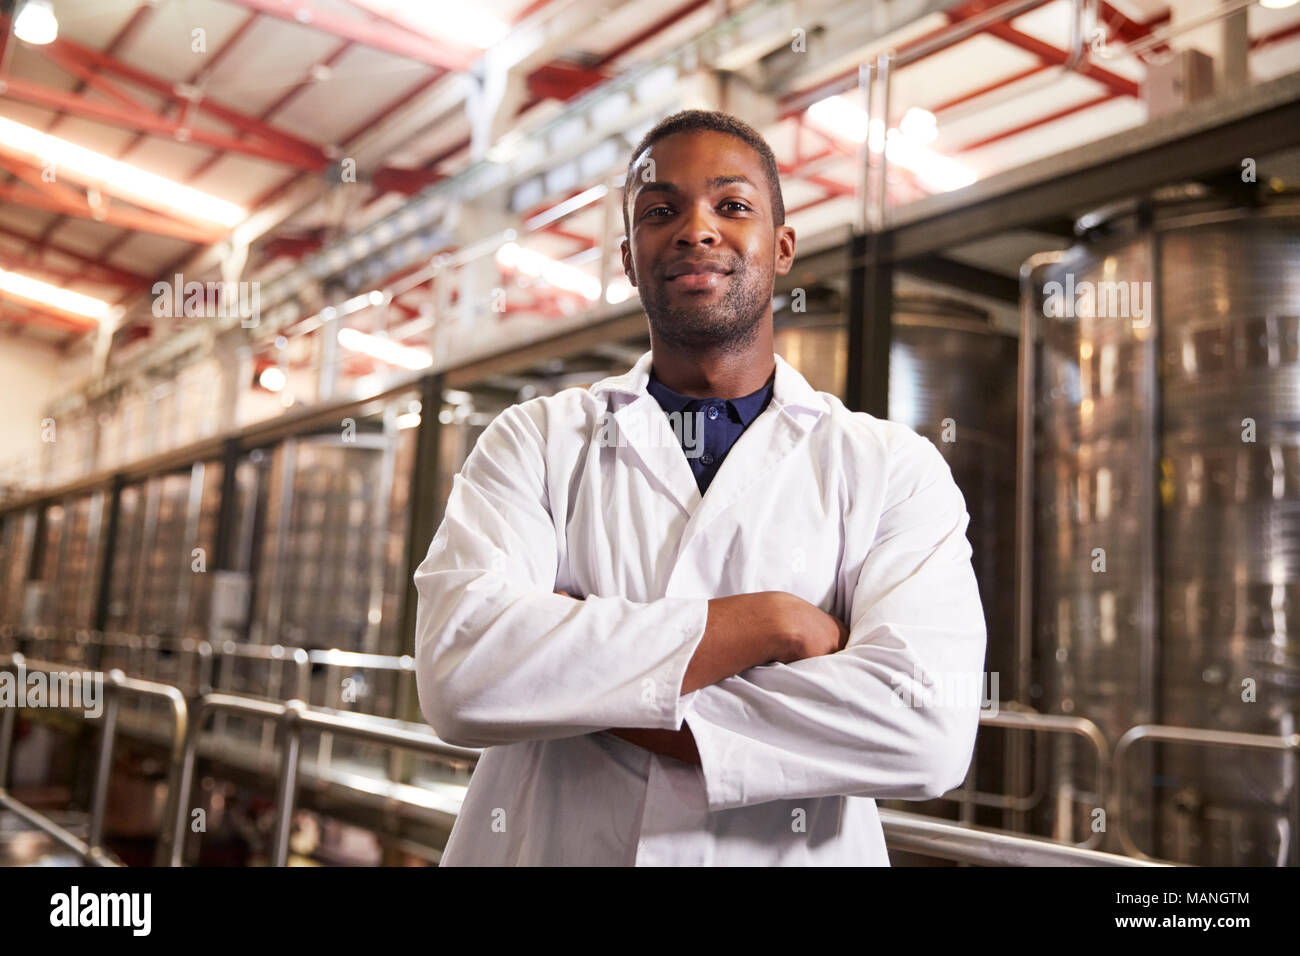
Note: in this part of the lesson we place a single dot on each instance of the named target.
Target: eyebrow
(716, 182)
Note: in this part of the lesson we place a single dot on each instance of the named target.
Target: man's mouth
(698, 280)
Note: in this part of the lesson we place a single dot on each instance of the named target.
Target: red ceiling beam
(562, 81)
(374, 34)
(90, 78)
(1277, 36)
(93, 109)
(58, 201)
(22, 167)
(94, 270)
(1035, 123)
(264, 133)
(26, 262)
(35, 313)
(405, 181)
(293, 246)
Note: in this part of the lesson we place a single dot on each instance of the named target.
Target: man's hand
(743, 631)
(678, 744)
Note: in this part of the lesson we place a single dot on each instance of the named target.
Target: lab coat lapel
(643, 428)
(750, 467)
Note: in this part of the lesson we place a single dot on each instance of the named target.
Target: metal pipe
(1082, 25)
(1025, 505)
(967, 28)
(286, 790)
(884, 71)
(914, 833)
(1165, 34)
(104, 767)
(92, 855)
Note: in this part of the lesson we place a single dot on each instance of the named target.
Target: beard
(710, 323)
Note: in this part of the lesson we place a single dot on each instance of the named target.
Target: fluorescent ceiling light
(386, 350)
(36, 22)
(119, 178)
(408, 419)
(560, 210)
(906, 147)
(469, 24)
(530, 263)
(1277, 4)
(34, 290)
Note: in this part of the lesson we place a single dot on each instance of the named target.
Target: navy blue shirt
(708, 436)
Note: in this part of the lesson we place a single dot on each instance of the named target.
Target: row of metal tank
(1161, 577)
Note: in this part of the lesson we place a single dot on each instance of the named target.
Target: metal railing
(116, 685)
(968, 796)
(906, 832)
(1161, 733)
(913, 833)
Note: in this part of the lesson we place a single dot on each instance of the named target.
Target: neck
(715, 373)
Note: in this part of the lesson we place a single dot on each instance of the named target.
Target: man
(708, 647)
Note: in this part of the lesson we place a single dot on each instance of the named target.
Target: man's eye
(735, 202)
(656, 209)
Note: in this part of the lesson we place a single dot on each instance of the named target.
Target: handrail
(1164, 733)
(116, 684)
(1045, 723)
(904, 831)
(293, 717)
(89, 854)
(913, 833)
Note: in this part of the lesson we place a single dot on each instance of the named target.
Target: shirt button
(706, 459)
(713, 412)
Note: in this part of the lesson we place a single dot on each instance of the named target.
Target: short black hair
(688, 121)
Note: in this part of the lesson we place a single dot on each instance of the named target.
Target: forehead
(689, 160)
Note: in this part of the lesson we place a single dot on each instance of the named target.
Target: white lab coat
(858, 515)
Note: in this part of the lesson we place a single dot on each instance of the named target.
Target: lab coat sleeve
(894, 714)
(500, 658)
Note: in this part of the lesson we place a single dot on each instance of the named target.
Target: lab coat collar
(793, 410)
(790, 390)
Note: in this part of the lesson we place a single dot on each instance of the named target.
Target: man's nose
(697, 227)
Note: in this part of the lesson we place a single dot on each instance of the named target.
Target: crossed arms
(781, 704)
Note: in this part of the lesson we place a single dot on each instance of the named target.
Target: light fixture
(408, 420)
(919, 125)
(386, 350)
(471, 26)
(1277, 4)
(123, 179)
(42, 293)
(36, 22)
(272, 378)
(530, 263)
(906, 147)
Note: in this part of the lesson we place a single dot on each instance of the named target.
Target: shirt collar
(746, 407)
(790, 390)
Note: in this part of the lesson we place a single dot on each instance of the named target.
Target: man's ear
(784, 250)
(625, 250)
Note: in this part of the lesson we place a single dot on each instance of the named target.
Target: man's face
(700, 201)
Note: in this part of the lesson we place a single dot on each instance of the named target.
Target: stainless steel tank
(1167, 519)
(952, 380)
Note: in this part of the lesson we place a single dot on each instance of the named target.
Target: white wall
(31, 376)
